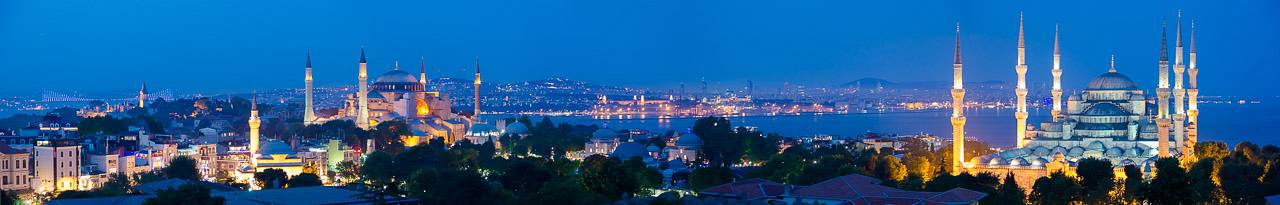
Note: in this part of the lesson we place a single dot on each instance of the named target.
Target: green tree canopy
(305, 180)
(187, 194)
(182, 167)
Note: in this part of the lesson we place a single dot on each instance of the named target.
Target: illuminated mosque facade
(1111, 119)
(399, 95)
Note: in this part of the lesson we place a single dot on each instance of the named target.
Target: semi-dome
(1112, 81)
(1105, 109)
(604, 133)
(627, 150)
(689, 140)
(396, 76)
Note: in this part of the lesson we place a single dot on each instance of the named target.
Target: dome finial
(957, 58)
(1113, 63)
(397, 65)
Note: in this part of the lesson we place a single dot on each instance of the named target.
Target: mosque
(399, 95)
(1112, 119)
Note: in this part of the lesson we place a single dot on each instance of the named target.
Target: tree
(524, 177)
(891, 169)
(1097, 179)
(387, 136)
(271, 178)
(1211, 149)
(1170, 185)
(564, 190)
(448, 186)
(761, 147)
(721, 145)
(646, 178)
(1135, 187)
(187, 194)
(182, 167)
(606, 176)
(1271, 180)
(8, 198)
(1201, 175)
(1009, 192)
(1240, 177)
(707, 177)
(117, 184)
(1057, 188)
(920, 165)
(305, 180)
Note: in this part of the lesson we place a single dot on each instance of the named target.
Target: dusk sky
(204, 45)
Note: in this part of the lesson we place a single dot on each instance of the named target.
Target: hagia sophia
(398, 95)
(1112, 118)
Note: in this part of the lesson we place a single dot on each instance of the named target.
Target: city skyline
(629, 45)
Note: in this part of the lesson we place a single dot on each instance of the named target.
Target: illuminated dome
(1112, 81)
(1105, 109)
(397, 80)
(689, 140)
(396, 76)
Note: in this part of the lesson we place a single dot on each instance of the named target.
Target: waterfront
(1230, 123)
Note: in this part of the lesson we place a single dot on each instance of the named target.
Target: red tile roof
(749, 189)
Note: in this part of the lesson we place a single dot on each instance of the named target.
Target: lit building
(57, 165)
(1111, 119)
(398, 95)
(14, 171)
(686, 148)
(602, 142)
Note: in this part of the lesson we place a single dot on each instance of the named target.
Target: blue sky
(206, 45)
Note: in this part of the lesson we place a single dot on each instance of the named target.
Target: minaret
(142, 95)
(1057, 76)
(1179, 117)
(1193, 111)
(476, 95)
(422, 77)
(362, 120)
(254, 123)
(1162, 92)
(309, 115)
(957, 110)
(1021, 91)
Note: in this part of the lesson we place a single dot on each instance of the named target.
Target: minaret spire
(422, 77)
(1057, 76)
(1021, 91)
(309, 114)
(142, 95)
(957, 111)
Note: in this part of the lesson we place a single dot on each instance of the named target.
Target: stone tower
(254, 123)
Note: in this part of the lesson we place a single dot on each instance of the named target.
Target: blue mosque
(1112, 119)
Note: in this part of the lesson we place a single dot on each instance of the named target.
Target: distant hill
(871, 83)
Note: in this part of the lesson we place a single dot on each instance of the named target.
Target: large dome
(1105, 109)
(1112, 81)
(627, 150)
(689, 140)
(604, 133)
(395, 77)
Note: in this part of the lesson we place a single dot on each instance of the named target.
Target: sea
(1229, 123)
